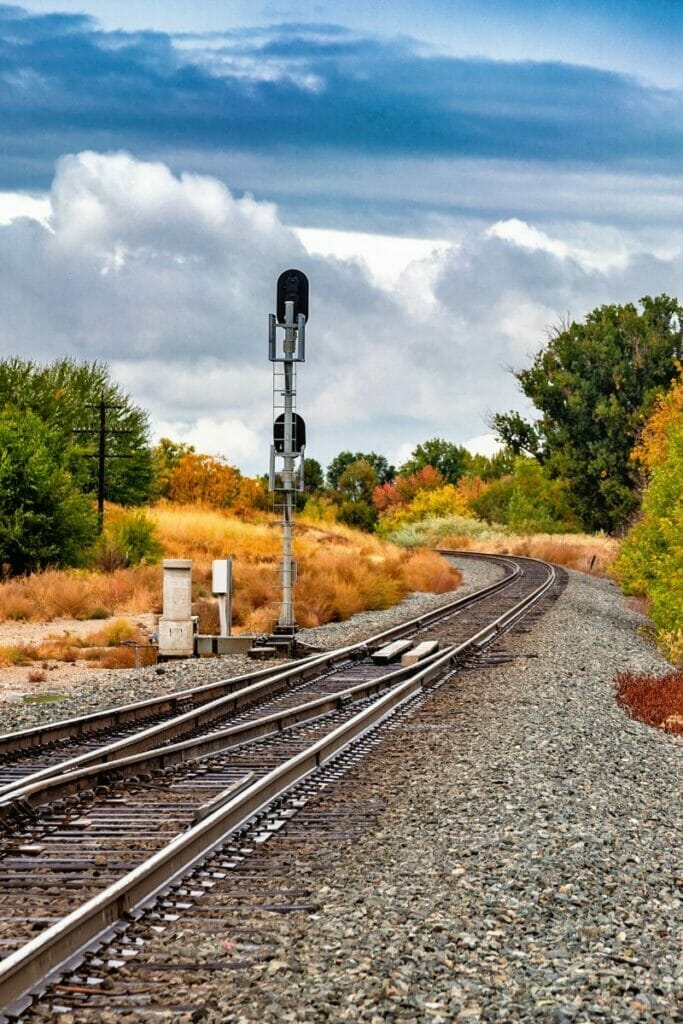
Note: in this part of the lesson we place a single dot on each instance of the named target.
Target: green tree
(44, 519)
(385, 472)
(492, 467)
(451, 460)
(354, 495)
(314, 478)
(650, 562)
(66, 395)
(594, 384)
(528, 501)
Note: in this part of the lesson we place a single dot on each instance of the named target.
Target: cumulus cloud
(170, 278)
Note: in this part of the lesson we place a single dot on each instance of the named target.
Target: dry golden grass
(13, 655)
(340, 572)
(80, 594)
(584, 552)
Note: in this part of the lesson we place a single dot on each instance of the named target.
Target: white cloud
(14, 205)
(385, 257)
(482, 444)
(527, 237)
(171, 279)
(229, 438)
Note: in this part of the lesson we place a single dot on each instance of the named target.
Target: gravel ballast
(526, 867)
(526, 864)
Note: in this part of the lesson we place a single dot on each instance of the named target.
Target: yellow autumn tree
(652, 448)
(204, 480)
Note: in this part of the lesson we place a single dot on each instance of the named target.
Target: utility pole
(289, 429)
(103, 432)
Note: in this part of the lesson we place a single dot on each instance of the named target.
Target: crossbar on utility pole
(103, 431)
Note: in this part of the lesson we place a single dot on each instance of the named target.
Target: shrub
(129, 538)
(651, 559)
(433, 530)
(656, 700)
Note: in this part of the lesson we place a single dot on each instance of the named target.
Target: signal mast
(286, 348)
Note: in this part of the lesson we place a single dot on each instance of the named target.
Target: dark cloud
(66, 85)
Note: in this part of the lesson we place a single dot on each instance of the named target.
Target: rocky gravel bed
(111, 688)
(526, 867)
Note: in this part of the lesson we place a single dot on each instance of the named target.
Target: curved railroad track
(43, 749)
(87, 824)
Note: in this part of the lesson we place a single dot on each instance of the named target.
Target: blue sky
(525, 157)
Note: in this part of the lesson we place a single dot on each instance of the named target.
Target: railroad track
(32, 752)
(87, 834)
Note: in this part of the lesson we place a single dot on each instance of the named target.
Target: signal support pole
(289, 431)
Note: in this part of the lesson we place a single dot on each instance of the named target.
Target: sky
(455, 179)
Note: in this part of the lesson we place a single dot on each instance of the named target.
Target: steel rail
(188, 721)
(64, 941)
(79, 773)
(34, 793)
(99, 721)
(199, 717)
(52, 949)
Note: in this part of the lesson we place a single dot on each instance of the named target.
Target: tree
(518, 436)
(594, 384)
(389, 497)
(451, 460)
(355, 488)
(66, 396)
(528, 501)
(205, 480)
(314, 478)
(165, 457)
(652, 447)
(385, 472)
(650, 562)
(44, 519)
(492, 467)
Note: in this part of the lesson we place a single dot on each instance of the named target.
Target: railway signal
(285, 350)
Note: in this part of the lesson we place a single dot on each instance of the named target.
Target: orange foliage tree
(391, 497)
(204, 480)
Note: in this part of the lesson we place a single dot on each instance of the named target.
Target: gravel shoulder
(526, 867)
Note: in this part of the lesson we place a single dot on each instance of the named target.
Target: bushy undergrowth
(80, 594)
(584, 552)
(129, 538)
(433, 529)
(341, 572)
(656, 700)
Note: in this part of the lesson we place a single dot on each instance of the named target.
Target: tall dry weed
(80, 594)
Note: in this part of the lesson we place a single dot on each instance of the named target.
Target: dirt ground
(60, 676)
